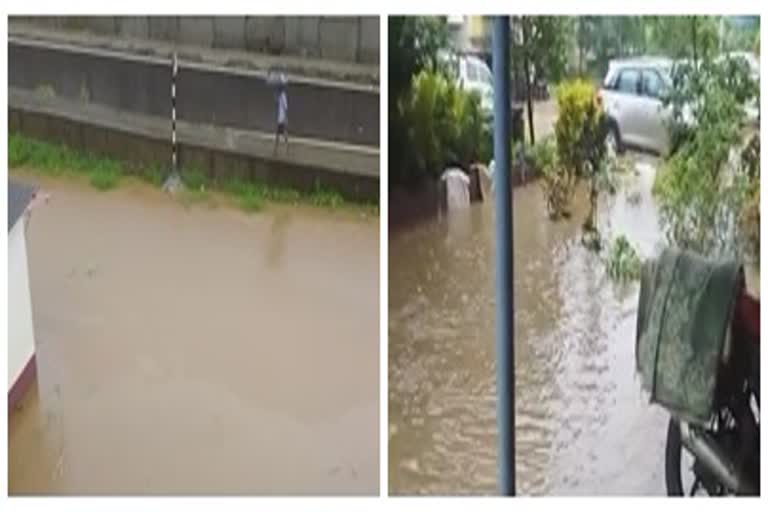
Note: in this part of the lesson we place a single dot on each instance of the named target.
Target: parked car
(474, 75)
(632, 95)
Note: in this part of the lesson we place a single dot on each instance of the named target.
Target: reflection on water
(198, 351)
(583, 426)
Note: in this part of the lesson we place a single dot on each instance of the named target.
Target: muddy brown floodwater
(198, 351)
(583, 426)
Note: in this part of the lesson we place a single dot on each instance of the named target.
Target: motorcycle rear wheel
(674, 451)
(675, 456)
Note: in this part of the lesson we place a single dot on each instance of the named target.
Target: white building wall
(21, 336)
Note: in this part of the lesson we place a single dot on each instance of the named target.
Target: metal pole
(505, 351)
(174, 72)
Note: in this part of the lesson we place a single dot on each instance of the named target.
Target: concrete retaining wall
(140, 150)
(338, 38)
(203, 95)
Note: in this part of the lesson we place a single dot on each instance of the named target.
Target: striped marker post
(174, 159)
(173, 182)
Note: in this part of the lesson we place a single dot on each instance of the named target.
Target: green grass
(105, 174)
(326, 197)
(194, 178)
(154, 174)
(251, 202)
(56, 160)
(104, 180)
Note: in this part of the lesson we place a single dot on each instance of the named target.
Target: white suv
(631, 96)
(472, 74)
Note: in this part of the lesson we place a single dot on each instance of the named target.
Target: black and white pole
(174, 181)
(174, 159)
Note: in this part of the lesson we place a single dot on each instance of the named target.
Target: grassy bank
(106, 173)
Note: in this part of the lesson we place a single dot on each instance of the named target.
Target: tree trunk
(530, 103)
(693, 34)
(527, 73)
(579, 41)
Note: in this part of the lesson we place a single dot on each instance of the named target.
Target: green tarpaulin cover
(683, 318)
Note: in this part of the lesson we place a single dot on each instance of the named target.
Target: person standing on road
(282, 114)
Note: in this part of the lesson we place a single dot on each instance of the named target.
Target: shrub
(105, 174)
(579, 126)
(707, 186)
(580, 132)
(750, 212)
(623, 263)
(544, 154)
(442, 123)
(425, 111)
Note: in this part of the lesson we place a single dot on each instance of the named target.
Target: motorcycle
(698, 352)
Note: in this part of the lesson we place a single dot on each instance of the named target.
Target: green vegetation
(56, 160)
(431, 119)
(556, 182)
(154, 174)
(623, 262)
(105, 173)
(194, 178)
(544, 154)
(250, 201)
(542, 51)
(601, 38)
(444, 123)
(580, 132)
(705, 185)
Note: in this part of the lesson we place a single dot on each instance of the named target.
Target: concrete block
(265, 34)
(295, 176)
(196, 30)
(276, 34)
(156, 152)
(292, 35)
(105, 25)
(256, 29)
(164, 28)
(14, 120)
(76, 23)
(50, 21)
(193, 157)
(261, 171)
(26, 20)
(66, 132)
(137, 152)
(229, 32)
(368, 45)
(309, 36)
(338, 38)
(35, 125)
(95, 140)
(229, 166)
(136, 27)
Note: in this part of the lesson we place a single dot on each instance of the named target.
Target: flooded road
(583, 424)
(198, 351)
